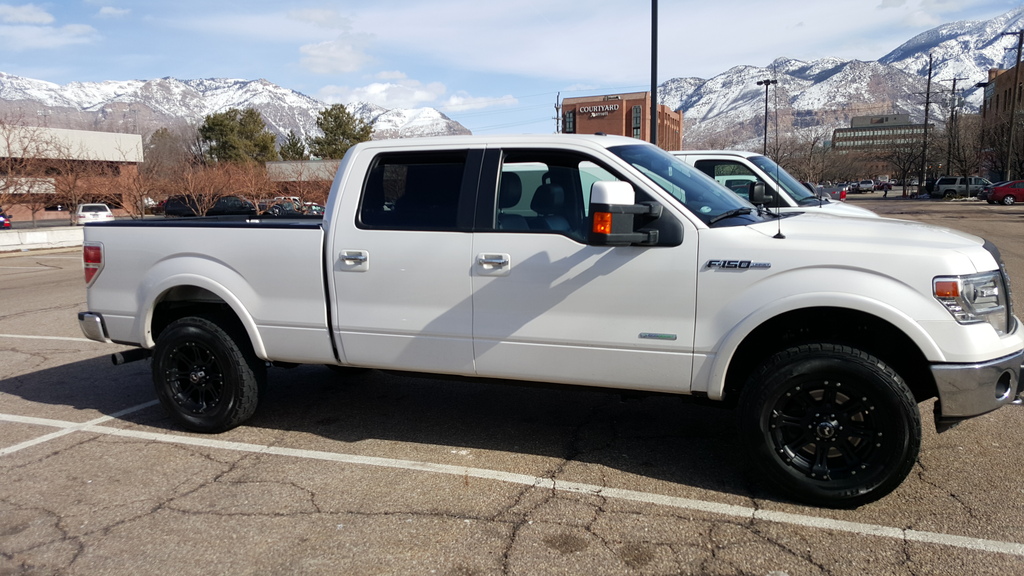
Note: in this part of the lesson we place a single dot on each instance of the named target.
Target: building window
(569, 122)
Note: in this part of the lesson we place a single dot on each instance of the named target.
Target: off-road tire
(829, 425)
(206, 374)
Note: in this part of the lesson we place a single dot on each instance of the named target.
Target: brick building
(623, 115)
(37, 162)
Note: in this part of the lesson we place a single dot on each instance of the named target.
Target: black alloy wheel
(206, 379)
(830, 425)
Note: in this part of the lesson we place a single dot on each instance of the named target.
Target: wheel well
(838, 326)
(182, 301)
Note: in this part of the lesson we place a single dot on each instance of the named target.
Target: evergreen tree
(237, 136)
(292, 148)
(341, 130)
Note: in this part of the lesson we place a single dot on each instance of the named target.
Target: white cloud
(334, 56)
(111, 12)
(397, 91)
(26, 14)
(402, 93)
(330, 19)
(20, 38)
(463, 102)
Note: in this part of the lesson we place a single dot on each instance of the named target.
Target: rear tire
(206, 376)
(830, 425)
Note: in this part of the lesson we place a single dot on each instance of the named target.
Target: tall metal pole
(924, 143)
(1013, 104)
(766, 83)
(654, 72)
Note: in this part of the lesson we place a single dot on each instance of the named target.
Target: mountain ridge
(810, 100)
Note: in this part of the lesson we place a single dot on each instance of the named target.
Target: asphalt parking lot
(380, 474)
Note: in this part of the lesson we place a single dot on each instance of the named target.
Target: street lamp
(766, 83)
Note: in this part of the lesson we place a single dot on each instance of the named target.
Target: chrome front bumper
(967, 390)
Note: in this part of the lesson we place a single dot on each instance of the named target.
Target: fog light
(1004, 387)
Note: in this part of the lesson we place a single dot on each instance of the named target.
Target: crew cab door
(402, 292)
(549, 307)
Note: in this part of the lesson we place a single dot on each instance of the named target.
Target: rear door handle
(495, 260)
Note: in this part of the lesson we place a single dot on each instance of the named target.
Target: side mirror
(757, 195)
(612, 216)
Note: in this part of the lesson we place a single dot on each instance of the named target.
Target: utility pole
(654, 72)
(558, 113)
(924, 145)
(953, 130)
(1013, 103)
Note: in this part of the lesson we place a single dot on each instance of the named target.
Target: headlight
(975, 298)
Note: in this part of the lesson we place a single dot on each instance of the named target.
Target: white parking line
(858, 528)
(65, 427)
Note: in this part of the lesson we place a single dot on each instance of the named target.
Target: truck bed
(269, 271)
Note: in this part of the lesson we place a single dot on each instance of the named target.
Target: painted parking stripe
(745, 512)
(65, 427)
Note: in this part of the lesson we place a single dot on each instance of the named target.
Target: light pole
(654, 72)
(766, 83)
(1013, 104)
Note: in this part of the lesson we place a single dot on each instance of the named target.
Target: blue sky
(496, 67)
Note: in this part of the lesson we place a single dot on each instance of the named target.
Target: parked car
(866, 186)
(958, 186)
(280, 207)
(1005, 193)
(92, 213)
(5, 220)
(986, 192)
(226, 206)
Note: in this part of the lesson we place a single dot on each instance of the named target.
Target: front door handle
(491, 264)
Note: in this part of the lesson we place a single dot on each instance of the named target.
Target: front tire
(206, 377)
(830, 425)
(1008, 200)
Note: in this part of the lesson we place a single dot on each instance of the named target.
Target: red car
(5, 220)
(1007, 193)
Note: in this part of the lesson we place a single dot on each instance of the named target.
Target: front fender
(766, 300)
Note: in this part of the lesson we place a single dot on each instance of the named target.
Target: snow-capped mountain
(810, 100)
(813, 98)
(145, 105)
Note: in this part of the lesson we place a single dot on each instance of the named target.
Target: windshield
(790, 185)
(713, 203)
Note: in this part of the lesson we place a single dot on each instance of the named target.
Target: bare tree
(249, 181)
(200, 187)
(23, 166)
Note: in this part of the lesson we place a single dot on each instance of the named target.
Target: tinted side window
(731, 174)
(546, 191)
(413, 191)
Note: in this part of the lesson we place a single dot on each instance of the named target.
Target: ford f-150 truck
(578, 260)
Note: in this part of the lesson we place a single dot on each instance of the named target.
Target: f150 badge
(737, 264)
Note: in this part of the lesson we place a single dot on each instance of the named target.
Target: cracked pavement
(380, 474)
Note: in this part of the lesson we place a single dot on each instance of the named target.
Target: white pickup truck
(734, 168)
(578, 260)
